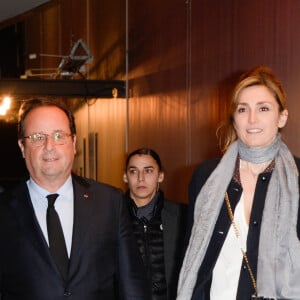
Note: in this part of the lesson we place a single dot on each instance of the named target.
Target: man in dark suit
(95, 257)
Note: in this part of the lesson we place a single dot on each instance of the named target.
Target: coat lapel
(83, 209)
(22, 207)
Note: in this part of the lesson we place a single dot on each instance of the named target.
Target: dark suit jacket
(104, 260)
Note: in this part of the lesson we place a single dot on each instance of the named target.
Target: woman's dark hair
(30, 105)
(145, 151)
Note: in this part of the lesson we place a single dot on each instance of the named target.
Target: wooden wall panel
(183, 59)
(269, 37)
(224, 39)
(32, 41)
(80, 166)
(158, 108)
(106, 34)
(50, 39)
(107, 118)
(288, 65)
(73, 23)
(160, 123)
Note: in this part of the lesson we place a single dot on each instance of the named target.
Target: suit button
(255, 223)
(264, 178)
(67, 293)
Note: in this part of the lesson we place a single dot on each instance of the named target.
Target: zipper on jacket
(146, 248)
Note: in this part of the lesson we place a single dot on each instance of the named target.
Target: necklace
(253, 169)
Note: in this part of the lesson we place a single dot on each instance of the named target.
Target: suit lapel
(24, 212)
(83, 209)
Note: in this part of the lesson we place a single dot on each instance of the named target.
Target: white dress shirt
(64, 206)
(226, 272)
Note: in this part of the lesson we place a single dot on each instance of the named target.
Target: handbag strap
(237, 234)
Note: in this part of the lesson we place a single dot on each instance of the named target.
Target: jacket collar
(159, 203)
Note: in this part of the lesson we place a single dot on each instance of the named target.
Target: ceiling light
(5, 105)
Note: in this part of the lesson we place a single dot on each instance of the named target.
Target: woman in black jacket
(244, 243)
(159, 224)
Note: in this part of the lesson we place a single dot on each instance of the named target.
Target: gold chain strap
(237, 233)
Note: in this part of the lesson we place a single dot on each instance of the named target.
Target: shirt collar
(63, 190)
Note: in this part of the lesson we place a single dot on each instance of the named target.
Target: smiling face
(50, 164)
(257, 117)
(143, 177)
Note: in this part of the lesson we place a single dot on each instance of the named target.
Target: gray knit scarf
(278, 270)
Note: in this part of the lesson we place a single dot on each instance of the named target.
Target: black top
(160, 241)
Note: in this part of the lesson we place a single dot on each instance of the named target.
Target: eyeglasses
(39, 139)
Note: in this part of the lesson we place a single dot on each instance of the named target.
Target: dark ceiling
(12, 8)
